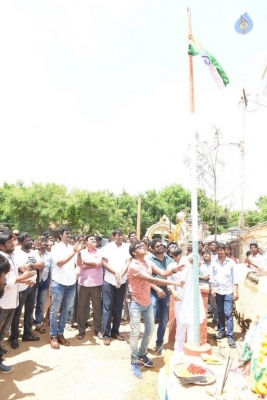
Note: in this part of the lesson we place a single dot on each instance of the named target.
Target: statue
(181, 233)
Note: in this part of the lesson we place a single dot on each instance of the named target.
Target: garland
(176, 231)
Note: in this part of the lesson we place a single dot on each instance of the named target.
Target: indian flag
(215, 68)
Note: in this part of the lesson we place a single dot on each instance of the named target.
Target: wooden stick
(226, 373)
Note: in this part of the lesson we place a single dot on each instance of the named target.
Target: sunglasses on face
(139, 247)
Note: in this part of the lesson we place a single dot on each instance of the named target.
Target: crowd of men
(121, 280)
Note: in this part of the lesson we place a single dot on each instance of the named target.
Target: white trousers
(184, 332)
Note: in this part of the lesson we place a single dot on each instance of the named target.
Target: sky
(95, 93)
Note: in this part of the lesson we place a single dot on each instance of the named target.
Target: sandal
(80, 336)
(40, 328)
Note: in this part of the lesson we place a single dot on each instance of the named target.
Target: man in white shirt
(26, 259)
(255, 261)
(63, 284)
(43, 284)
(115, 260)
(9, 302)
(224, 287)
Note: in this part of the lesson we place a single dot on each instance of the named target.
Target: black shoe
(220, 336)
(14, 344)
(31, 338)
(4, 351)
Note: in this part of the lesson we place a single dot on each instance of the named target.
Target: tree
(209, 170)
(33, 209)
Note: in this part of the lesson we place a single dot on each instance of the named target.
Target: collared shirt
(162, 264)
(204, 270)
(139, 288)
(64, 275)
(117, 257)
(258, 260)
(10, 299)
(223, 276)
(21, 258)
(90, 277)
(48, 260)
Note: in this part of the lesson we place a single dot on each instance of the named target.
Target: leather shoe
(31, 338)
(118, 337)
(62, 340)
(54, 343)
(14, 344)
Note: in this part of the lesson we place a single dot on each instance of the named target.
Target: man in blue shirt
(224, 287)
(160, 296)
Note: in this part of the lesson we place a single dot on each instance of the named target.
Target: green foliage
(39, 207)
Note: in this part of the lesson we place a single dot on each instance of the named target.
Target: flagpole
(138, 225)
(194, 208)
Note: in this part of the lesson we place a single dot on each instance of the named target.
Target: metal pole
(242, 178)
(138, 227)
(194, 211)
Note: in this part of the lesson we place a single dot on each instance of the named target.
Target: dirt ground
(87, 369)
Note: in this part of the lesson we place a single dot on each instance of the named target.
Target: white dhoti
(184, 309)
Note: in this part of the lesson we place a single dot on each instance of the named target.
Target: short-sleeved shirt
(204, 270)
(64, 275)
(11, 296)
(117, 257)
(258, 260)
(139, 288)
(162, 264)
(90, 277)
(22, 257)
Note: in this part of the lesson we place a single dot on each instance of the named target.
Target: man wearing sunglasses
(160, 297)
(140, 279)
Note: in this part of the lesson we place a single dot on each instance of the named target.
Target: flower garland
(176, 231)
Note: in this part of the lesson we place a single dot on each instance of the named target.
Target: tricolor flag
(215, 68)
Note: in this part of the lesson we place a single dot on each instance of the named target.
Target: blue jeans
(61, 297)
(42, 294)
(72, 314)
(136, 312)
(26, 299)
(112, 307)
(225, 309)
(161, 312)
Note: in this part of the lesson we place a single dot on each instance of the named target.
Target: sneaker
(136, 370)
(159, 351)
(40, 328)
(6, 369)
(231, 343)
(220, 335)
(68, 326)
(146, 361)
